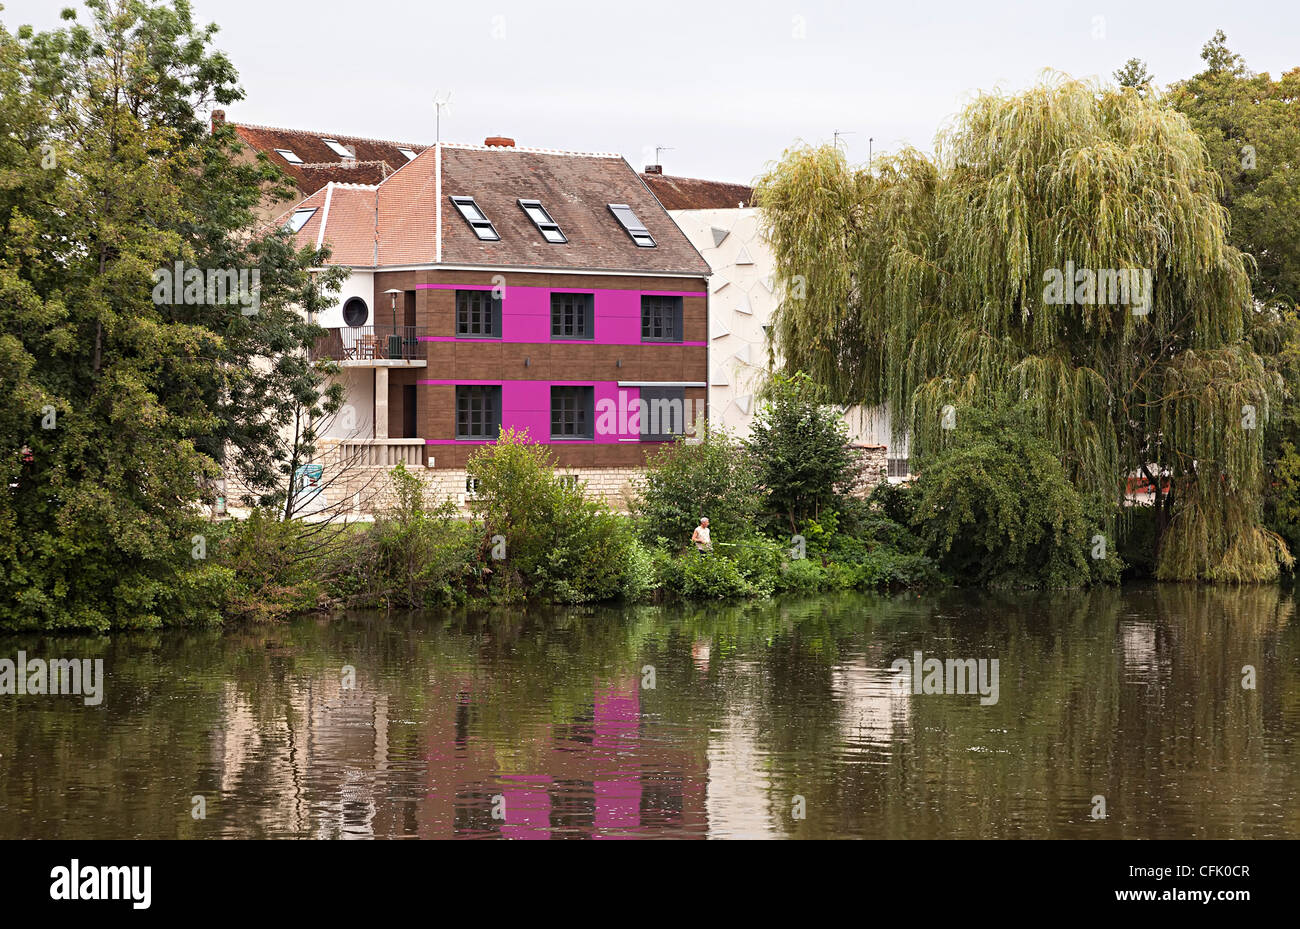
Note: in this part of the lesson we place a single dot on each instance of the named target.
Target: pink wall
(527, 405)
(526, 314)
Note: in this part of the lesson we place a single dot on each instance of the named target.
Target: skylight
(410, 155)
(337, 148)
(299, 219)
(481, 225)
(288, 155)
(548, 227)
(640, 235)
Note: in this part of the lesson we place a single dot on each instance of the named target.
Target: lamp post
(394, 340)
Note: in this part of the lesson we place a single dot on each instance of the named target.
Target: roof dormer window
(479, 222)
(407, 153)
(289, 155)
(337, 148)
(632, 225)
(548, 227)
(299, 219)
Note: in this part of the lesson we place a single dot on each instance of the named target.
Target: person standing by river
(703, 544)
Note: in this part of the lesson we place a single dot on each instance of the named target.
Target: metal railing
(381, 342)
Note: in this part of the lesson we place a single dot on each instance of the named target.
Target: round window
(355, 312)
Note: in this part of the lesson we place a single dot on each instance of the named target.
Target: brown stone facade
(428, 301)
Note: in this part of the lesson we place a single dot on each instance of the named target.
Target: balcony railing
(385, 453)
(382, 342)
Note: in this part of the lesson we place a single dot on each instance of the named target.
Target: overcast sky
(726, 85)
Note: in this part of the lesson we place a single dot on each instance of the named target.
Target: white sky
(727, 85)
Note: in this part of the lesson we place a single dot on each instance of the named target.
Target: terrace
(381, 345)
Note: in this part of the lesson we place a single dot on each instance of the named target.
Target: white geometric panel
(743, 257)
(717, 282)
(721, 378)
(719, 329)
(719, 235)
(743, 354)
(745, 403)
(768, 284)
(744, 307)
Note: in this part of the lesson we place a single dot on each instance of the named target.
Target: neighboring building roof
(396, 222)
(374, 159)
(690, 193)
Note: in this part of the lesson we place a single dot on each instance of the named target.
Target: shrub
(417, 553)
(801, 450)
(558, 544)
(713, 477)
(712, 578)
(996, 508)
(278, 565)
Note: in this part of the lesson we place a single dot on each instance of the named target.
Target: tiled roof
(374, 160)
(396, 221)
(689, 193)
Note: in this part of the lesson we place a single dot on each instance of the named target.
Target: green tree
(127, 399)
(1250, 124)
(1251, 127)
(1134, 74)
(929, 285)
(801, 448)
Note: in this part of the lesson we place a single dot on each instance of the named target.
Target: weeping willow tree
(1065, 251)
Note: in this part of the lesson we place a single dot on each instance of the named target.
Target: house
(310, 160)
(721, 221)
(497, 286)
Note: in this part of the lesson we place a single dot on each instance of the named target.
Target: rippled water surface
(719, 721)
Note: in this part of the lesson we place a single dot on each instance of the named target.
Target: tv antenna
(439, 104)
(836, 136)
(662, 148)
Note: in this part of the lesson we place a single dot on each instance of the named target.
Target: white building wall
(359, 284)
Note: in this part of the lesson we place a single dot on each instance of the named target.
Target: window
(568, 480)
(548, 227)
(572, 412)
(289, 155)
(407, 154)
(661, 319)
(299, 219)
(471, 486)
(898, 467)
(573, 316)
(663, 413)
(478, 412)
(478, 315)
(481, 225)
(337, 148)
(633, 226)
(355, 312)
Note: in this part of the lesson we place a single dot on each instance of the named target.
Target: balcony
(382, 345)
(381, 453)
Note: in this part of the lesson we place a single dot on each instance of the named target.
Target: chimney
(499, 141)
(218, 119)
(654, 169)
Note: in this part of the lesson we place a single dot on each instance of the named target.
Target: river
(1118, 714)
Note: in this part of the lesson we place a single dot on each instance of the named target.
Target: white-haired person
(703, 544)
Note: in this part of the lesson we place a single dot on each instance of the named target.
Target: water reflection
(684, 723)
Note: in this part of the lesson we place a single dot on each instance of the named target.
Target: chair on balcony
(367, 347)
